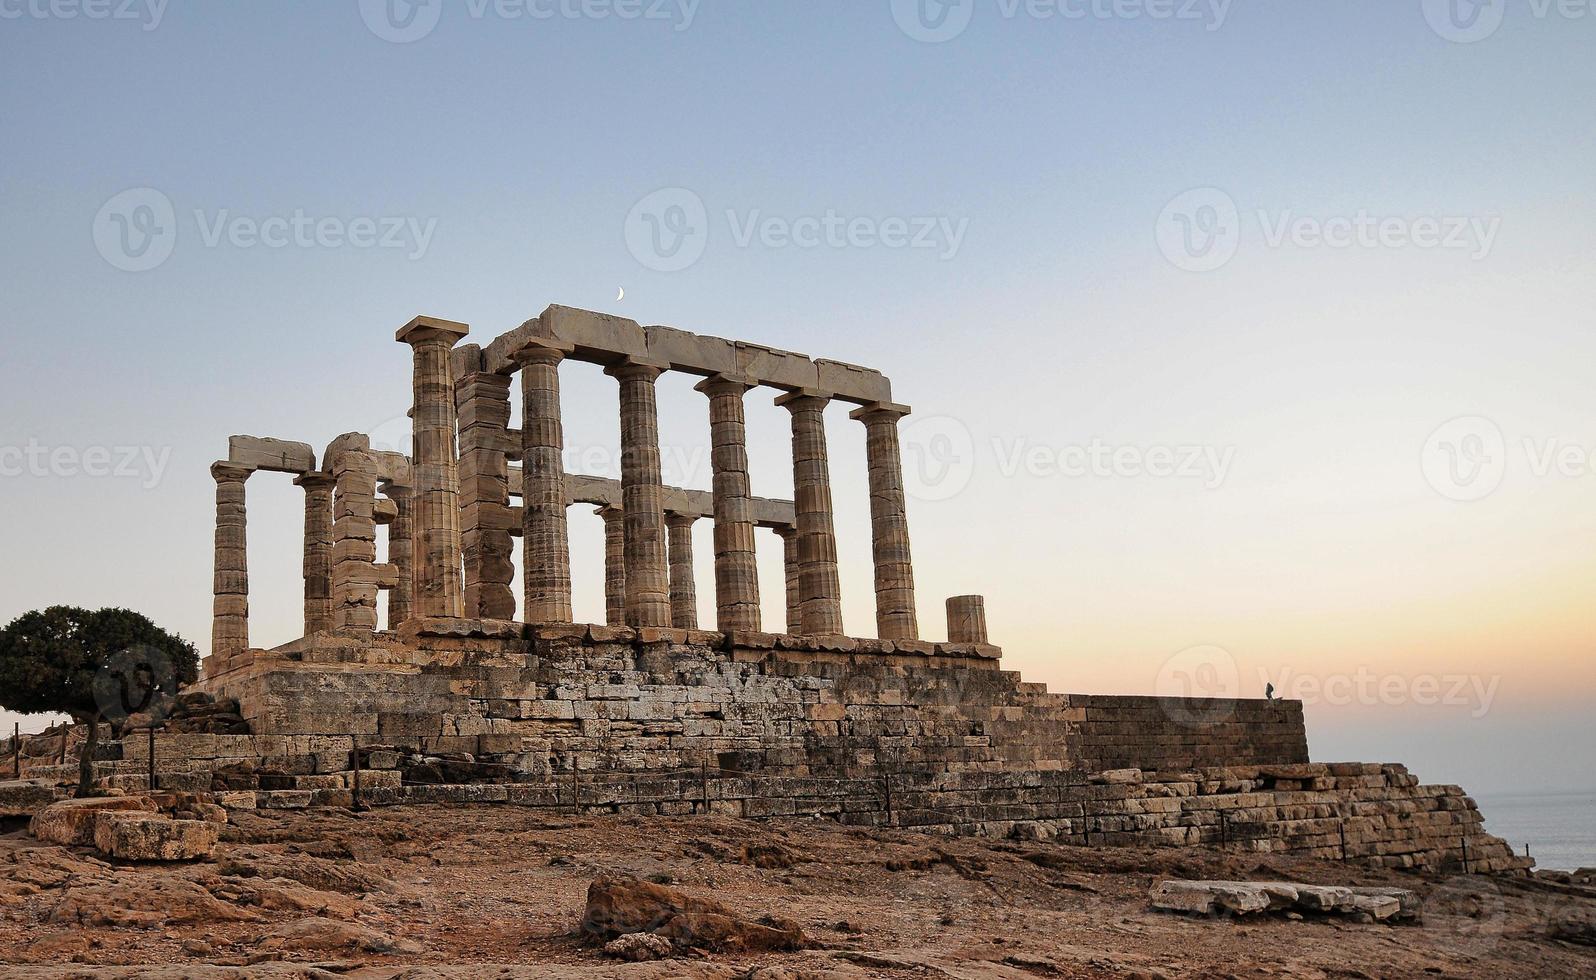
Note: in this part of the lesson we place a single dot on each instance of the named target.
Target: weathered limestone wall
(599, 698)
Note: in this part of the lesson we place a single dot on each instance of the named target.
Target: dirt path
(496, 892)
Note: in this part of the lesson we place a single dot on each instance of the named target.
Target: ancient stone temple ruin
(493, 700)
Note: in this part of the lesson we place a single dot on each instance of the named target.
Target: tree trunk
(86, 758)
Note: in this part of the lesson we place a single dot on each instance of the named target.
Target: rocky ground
(487, 891)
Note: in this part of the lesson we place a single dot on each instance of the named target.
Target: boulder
(71, 822)
(154, 838)
(618, 908)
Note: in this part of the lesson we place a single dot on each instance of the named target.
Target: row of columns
(648, 598)
(683, 583)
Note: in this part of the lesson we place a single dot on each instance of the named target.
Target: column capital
(678, 519)
(426, 329)
(804, 398)
(539, 352)
(609, 512)
(727, 384)
(316, 480)
(225, 472)
(636, 369)
(879, 412)
(786, 531)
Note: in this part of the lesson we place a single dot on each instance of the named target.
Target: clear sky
(1186, 296)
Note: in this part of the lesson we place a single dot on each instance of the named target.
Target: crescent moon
(620, 295)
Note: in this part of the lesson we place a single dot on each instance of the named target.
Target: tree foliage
(104, 664)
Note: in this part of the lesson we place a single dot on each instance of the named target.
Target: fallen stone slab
(71, 822)
(25, 797)
(154, 838)
(1250, 897)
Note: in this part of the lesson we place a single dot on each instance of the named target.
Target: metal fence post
(154, 779)
(354, 799)
(16, 749)
(64, 729)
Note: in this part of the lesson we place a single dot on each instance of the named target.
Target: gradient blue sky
(1056, 143)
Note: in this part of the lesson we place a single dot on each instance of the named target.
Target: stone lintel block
(276, 455)
(852, 383)
(690, 352)
(920, 648)
(713, 639)
(429, 327)
(394, 469)
(557, 631)
(661, 634)
(776, 368)
(598, 337)
(71, 822)
(349, 442)
(751, 639)
(465, 359)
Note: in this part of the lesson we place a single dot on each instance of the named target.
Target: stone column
(684, 593)
(614, 565)
(401, 548)
(967, 619)
(889, 523)
(438, 583)
(355, 577)
(642, 497)
(820, 591)
(545, 538)
(230, 605)
(482, 400)
(736, 568)
(789, 552)
(318, 563)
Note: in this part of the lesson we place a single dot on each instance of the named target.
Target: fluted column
(736, 568)
(820, 591)
(318, 561)
(545, 537)
(482, 400)
(614, 565)
(401, 553)
(684, 592)
(889, 523)
(439, 588)
(789, 554)
(642, 497)
(230, 603)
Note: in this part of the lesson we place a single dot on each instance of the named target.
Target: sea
(1560, 828)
